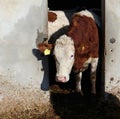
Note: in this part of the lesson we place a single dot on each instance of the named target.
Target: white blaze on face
(64, 54)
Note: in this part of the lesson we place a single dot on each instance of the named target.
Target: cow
(77, 49)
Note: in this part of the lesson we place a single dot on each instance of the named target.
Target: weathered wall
(112, 46)
(20, 72)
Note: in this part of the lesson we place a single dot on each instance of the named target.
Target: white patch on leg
(78, 83)
(94, 63)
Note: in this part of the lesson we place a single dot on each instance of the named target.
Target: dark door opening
(72, 4)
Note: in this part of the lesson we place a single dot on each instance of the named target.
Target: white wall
(19, 21)
(20, 71)
(112, 47)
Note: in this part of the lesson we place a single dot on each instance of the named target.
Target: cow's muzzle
(62, 79)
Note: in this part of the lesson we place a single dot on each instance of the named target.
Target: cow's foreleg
(78, 83)
(94, 64)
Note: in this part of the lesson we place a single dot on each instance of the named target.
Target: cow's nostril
(61, 78)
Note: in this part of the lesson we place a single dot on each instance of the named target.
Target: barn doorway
(63, 97)
(68, 104)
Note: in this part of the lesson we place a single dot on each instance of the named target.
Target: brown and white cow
(77, 49)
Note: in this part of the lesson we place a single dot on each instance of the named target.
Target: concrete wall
(112, 46)
(20, 71)
(19, 21)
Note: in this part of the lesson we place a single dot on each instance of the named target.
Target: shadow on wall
(75, 106)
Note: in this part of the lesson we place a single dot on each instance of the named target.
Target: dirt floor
(18, 102)
(63, 104)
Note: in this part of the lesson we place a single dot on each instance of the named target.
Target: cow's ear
(45, 48)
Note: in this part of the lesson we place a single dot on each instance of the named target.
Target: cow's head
(64, 56)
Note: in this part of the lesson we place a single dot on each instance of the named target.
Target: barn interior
(63, 96)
